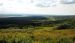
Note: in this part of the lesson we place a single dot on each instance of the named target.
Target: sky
(37, 7)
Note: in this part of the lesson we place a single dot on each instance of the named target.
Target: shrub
(65, 26)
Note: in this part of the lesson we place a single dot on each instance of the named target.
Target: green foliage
(43, 35)
(66, 40)
(65, 26)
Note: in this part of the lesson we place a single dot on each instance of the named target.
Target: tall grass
(37, 36)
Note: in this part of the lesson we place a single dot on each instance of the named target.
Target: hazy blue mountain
(10, 15)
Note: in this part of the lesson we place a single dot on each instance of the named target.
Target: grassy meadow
(42, 35)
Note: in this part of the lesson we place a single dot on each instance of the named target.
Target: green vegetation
(37, 36)
(58, 29)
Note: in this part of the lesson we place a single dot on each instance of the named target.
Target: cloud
(45, 3)
(68, 1)
(29, 3)
(1, 3)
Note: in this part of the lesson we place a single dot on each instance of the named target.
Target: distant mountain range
(27, 15)
(10, 15)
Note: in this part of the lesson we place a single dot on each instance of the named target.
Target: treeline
(20, 25)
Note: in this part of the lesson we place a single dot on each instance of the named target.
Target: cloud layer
(35, 3)
(37, 7)
(68, 1)
(45, 3)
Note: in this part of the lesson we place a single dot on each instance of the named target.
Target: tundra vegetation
(38, 29)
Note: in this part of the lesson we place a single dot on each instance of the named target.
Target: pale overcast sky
(54, 7)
